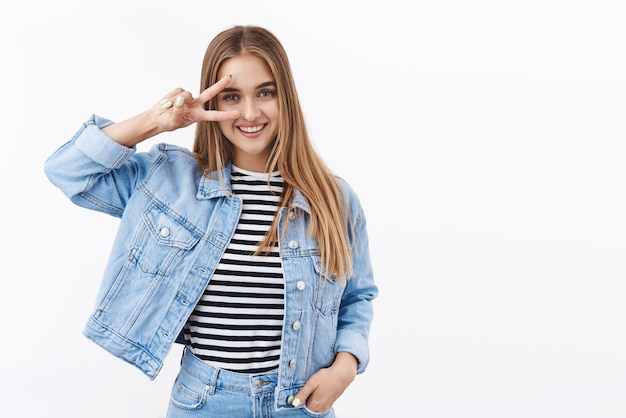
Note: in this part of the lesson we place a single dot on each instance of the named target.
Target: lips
(250, 129)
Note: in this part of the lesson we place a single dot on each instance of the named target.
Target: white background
(485, 139)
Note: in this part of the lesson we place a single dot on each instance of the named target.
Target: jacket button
(292, 214)
(165, 232)
(292, 362)
(296, 325)
(300, 285)
(293, 244)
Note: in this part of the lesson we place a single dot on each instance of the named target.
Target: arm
(99, 169)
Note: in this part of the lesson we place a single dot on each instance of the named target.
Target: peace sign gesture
(179, 108)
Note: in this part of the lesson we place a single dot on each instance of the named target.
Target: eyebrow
(260, 86)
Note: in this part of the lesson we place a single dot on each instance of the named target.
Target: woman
(248, 250)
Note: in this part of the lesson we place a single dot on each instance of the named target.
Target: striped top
(237, 324)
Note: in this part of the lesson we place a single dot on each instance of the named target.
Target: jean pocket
(188, 392)
(327, 414)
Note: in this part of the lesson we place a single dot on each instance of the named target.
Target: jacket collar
(210, 187)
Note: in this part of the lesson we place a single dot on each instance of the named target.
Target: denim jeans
(201, 390)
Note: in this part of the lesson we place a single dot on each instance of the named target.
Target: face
(253, 93)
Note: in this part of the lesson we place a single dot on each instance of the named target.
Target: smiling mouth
(250, 129)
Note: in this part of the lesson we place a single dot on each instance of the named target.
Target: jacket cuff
(356, 345)
(96, 145)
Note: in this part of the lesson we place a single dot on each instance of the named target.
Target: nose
(250, 111)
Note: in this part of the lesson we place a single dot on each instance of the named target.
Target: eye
(267, 93)
(230, 98)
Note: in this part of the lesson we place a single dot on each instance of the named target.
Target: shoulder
(168, 154)
(171, 160)
(349, 195)
(170, 149)
(345, 187)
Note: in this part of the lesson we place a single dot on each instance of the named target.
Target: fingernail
(290, 399)
(166, 105)
(179, 101)
(295, 402)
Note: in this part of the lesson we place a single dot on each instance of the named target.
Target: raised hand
(179, 108)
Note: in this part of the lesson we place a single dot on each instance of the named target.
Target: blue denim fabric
(204, 391)
(175, 225)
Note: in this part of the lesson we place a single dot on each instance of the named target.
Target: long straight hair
(292, 155)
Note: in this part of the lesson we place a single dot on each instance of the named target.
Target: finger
(167, 100)
(218, 115)
(212, 91)
(300, 397)
(173, 93)
(182, 98)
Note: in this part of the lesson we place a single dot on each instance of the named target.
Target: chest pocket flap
(167, 230)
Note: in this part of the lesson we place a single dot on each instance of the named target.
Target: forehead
(246, 70)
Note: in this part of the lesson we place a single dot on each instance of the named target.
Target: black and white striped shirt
(237, 324)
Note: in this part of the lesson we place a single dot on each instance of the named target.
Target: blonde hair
(292, 155)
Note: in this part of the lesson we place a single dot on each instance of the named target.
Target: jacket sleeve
(94, 171)
(356, 309)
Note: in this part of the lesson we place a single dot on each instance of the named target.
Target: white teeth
(251, 129)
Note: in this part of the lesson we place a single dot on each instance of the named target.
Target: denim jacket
(175, 226)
